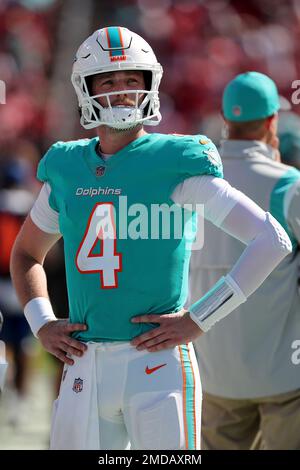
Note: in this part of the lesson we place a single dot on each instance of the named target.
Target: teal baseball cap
(250, 96)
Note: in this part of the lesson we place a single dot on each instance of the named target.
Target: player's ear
(271, 121)
(226, 123)
(225, 128)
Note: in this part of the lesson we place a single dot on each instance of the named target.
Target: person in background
(250, 382)
(15, 202)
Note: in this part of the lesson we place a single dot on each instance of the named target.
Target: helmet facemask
(96, 56)
(145, 109)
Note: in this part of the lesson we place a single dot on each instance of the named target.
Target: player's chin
(130, 127)
(128, 104)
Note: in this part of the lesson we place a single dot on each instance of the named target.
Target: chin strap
(121, 117)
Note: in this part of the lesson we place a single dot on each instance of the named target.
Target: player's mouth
(123, 105)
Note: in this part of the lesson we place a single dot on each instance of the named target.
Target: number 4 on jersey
(100, 228)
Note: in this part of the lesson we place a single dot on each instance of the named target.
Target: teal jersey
(277, 198)
(119, 265)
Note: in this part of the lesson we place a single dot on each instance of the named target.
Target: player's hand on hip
(55, 338)
(174, 329)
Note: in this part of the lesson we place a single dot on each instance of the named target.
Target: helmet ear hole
(89, 84)
(147, 79)
(148, 86)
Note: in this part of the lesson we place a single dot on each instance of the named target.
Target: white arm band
(38, 312)
(224, 297)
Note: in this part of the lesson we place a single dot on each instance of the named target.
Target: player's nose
(123, 99)
(122, 96)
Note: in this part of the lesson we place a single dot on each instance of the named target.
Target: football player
(131, 373)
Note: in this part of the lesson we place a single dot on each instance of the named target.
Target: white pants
(115, 395)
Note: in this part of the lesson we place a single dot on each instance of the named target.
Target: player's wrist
(192, 318)
(38, 312)
(221, 300)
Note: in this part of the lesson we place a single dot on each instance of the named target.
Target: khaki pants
(229, 424)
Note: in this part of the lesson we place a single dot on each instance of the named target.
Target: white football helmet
(114, 49)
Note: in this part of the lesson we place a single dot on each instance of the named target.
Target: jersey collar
(245, 149)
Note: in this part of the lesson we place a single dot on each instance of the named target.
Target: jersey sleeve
(200, 157)
(42, 169)
(292, 209)
(44, 175)
(281, 202)
(44, 217)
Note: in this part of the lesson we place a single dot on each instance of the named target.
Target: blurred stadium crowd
(201, 45)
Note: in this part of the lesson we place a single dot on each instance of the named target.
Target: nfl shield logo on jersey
(78, 385)
(100, 170)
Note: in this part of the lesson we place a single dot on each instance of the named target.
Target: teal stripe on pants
(189, 398)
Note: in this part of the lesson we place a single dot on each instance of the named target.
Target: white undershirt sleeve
(267, 244)
(239, 216)
(215, 194)
(42, 214)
